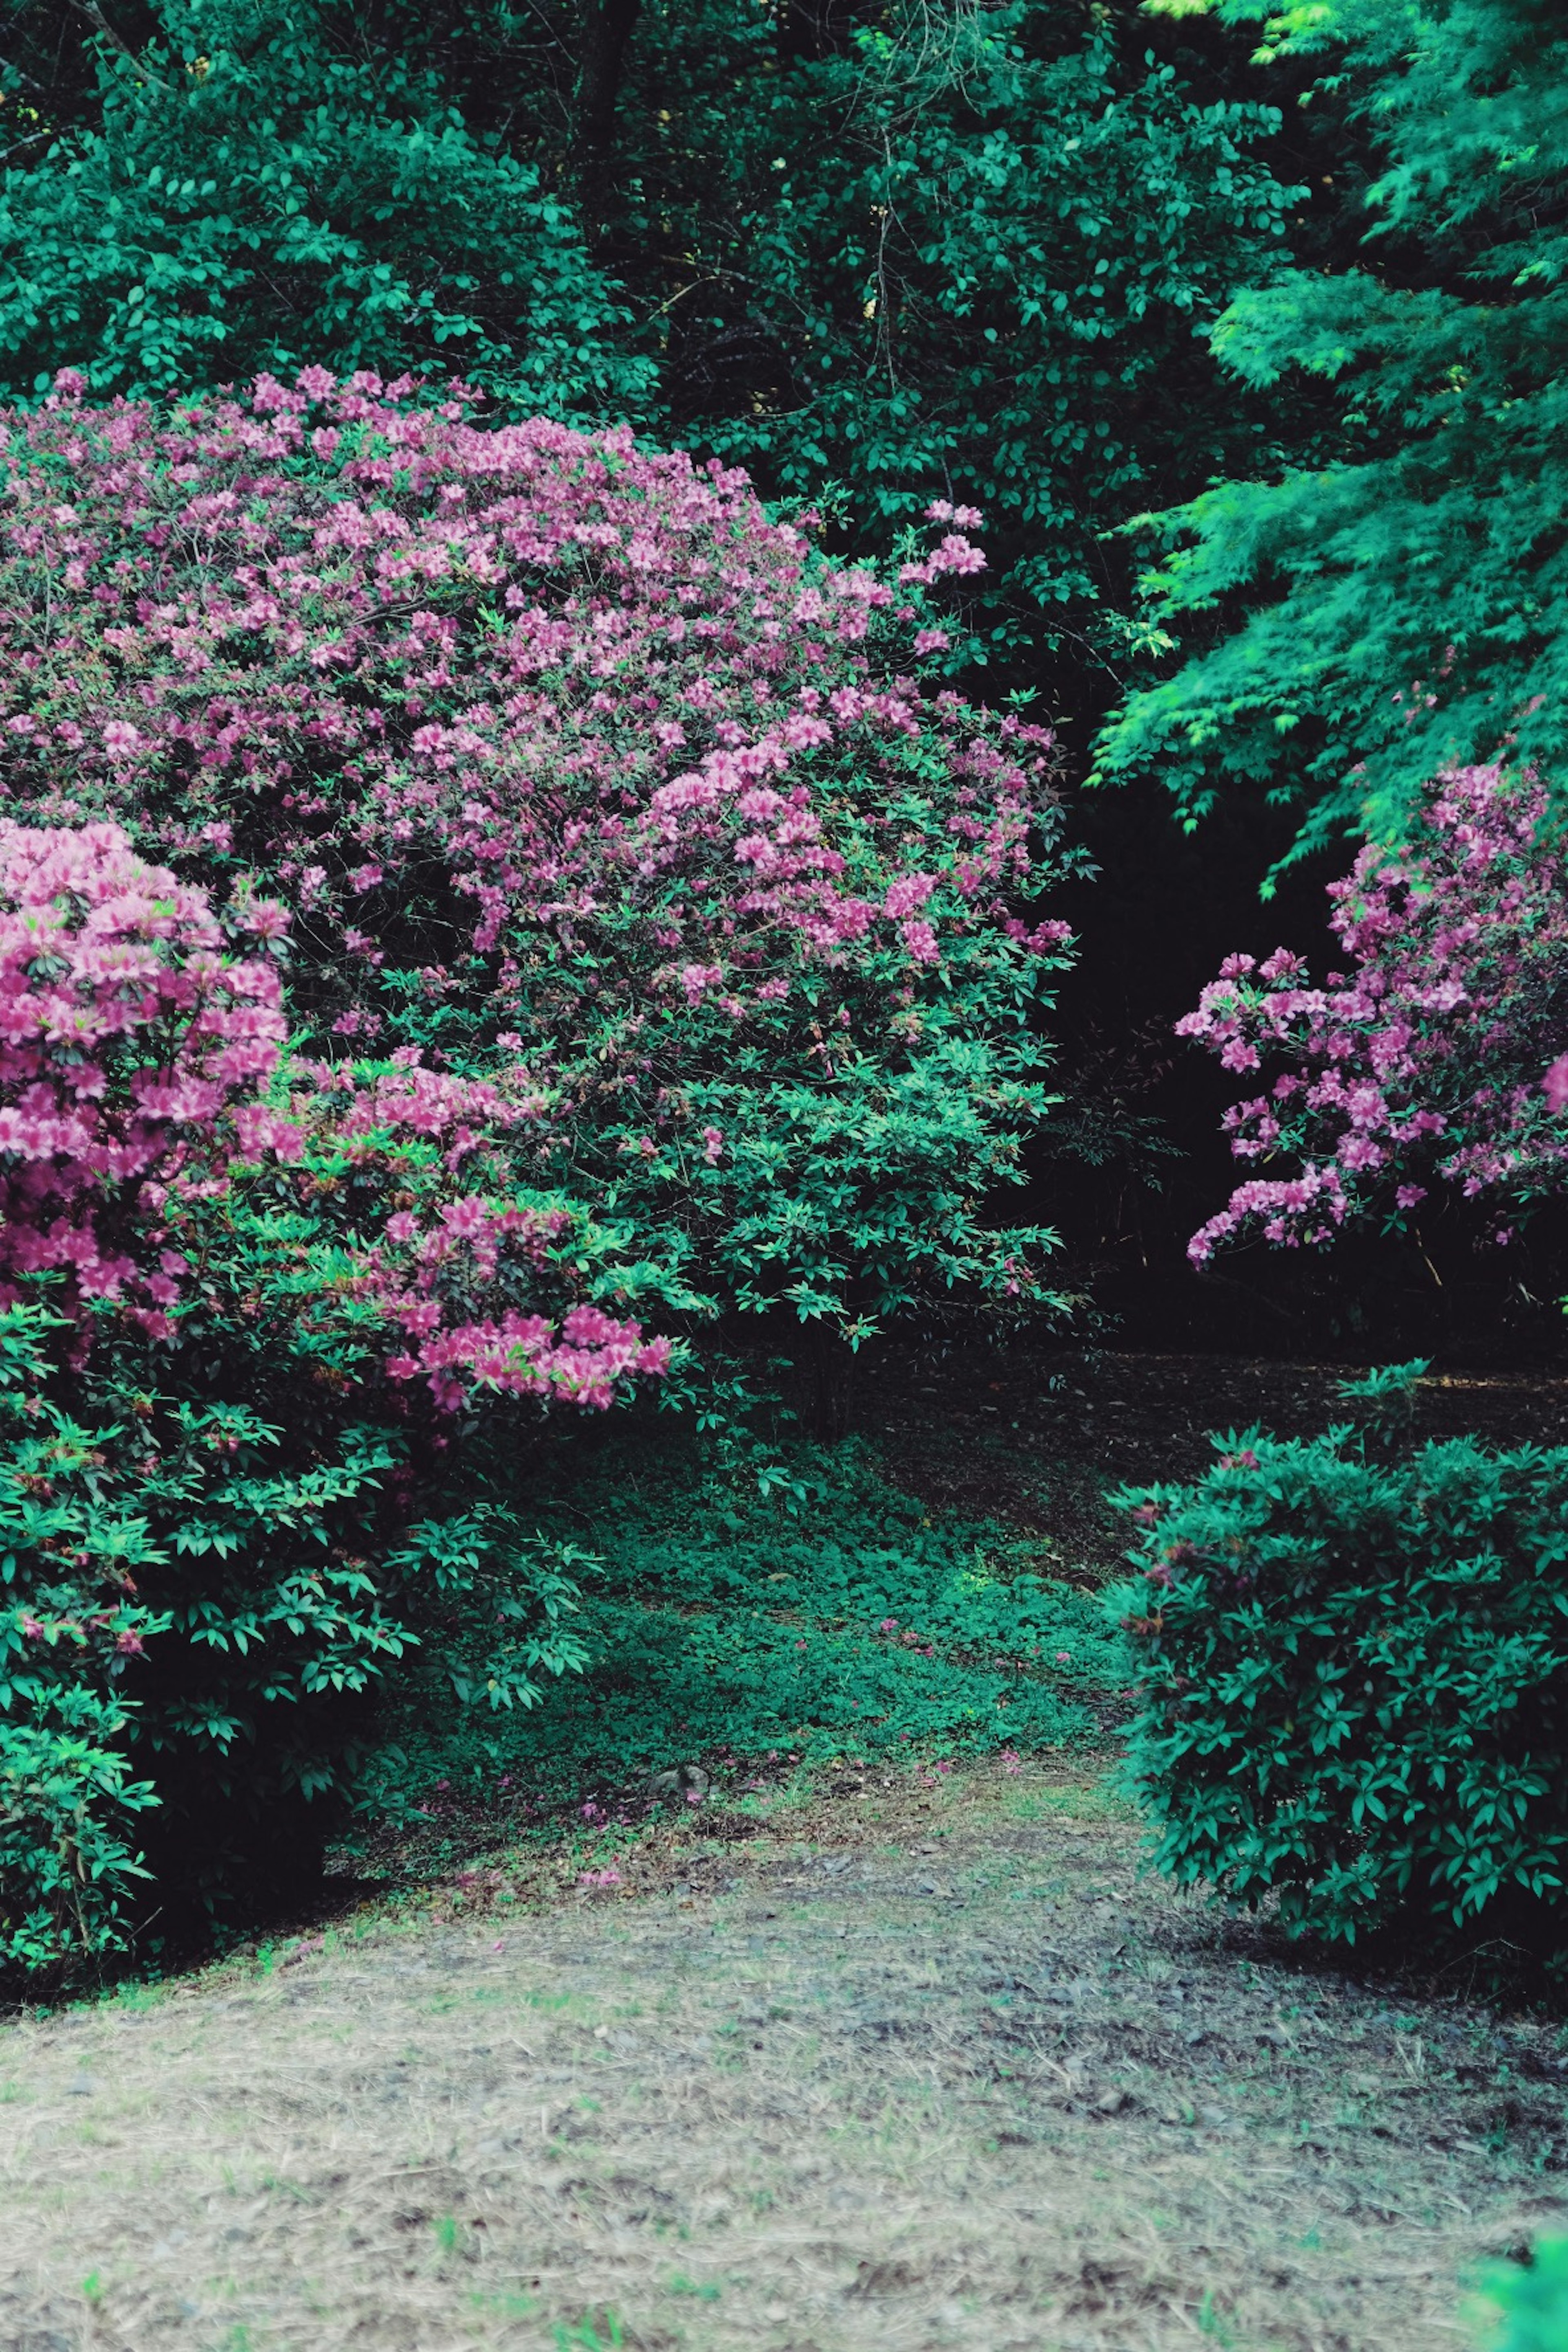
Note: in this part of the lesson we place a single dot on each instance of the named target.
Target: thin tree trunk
(607, 26)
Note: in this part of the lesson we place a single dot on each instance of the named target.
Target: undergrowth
(815, 1609)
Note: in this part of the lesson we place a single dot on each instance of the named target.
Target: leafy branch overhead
(1351, 627)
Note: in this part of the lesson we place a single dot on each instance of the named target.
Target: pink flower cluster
(455, 1277)
(135, 1049)
(528, 717)
(1428, 1057)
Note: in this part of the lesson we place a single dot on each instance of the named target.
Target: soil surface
(1036, 1435)
(920, 2065)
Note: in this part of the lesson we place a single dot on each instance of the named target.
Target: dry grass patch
(915, 2068)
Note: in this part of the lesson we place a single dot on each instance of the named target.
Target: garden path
(915, 2066)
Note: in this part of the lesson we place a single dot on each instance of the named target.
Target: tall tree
(1352, 627)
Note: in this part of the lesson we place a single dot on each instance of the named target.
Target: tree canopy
(1351, 626)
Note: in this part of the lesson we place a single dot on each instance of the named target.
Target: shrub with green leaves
(199, 1600)
(259, 185)
(68, 1802)
(1527, 2304)
(1354, 1671)
(233, 1346)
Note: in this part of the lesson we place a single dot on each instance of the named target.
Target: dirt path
(935, 2071)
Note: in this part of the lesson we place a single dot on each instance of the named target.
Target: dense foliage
(1529, 2302)
(881, 254)
(252, 187)
(1353, 1668)
(209, 1463)
(491, 916)
(1402, 607)
(972, 249)
(1435, 1057)
(645, 923)
(586, 777)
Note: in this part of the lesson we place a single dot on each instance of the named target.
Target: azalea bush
(573, 764)
(657, 945)
(1434, 1059)
(1353, 1658)
(246, 1298)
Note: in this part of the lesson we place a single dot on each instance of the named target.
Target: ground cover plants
(826, 1617)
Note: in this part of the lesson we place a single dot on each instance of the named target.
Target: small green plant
(1525, 2307)
(678, 2283)
(1212, 2323)
(586, 2336)
(1352, 1657)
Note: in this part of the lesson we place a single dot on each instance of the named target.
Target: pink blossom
(561, 740)
(1431, 1055)
(99, 952)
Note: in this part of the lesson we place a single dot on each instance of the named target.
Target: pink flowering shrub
(135, 1048)
(291, 1276)
(566, 755)
(410, 1245)
(1430, 1059)
(659, 945)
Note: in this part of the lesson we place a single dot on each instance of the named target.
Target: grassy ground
(881, 2044)
(920, 2064)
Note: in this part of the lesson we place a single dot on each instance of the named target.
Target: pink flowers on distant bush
(1436, 1055)
(136, 1042)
